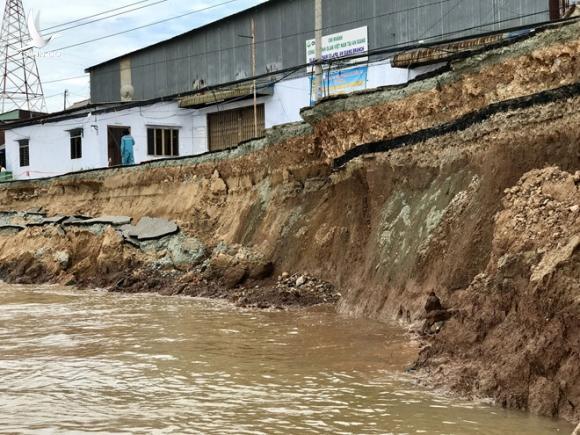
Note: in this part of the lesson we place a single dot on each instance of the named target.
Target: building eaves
(457, 50)
(63, 115)
(96, 109)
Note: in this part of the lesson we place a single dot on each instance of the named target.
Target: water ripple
(89, 362)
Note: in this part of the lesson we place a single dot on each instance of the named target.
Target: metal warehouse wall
(283, 26)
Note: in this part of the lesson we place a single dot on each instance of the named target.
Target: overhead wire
(82, 22)
(145, 26)
(86, 23)
(95, 15)
(244, 45)
(65, 79)
(231, 1)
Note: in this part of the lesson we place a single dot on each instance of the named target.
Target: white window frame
(19, 142)
(78, 136)
(3, 148)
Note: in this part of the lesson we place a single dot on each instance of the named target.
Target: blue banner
(343, 81)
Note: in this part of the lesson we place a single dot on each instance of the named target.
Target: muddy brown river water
(91, 362)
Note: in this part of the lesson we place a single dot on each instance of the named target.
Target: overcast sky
(72, 62)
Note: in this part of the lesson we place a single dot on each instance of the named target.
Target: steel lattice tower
(20, 84)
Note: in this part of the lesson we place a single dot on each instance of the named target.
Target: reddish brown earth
(516, 335)
(486, 216)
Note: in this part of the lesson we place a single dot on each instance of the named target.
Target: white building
(89, 137)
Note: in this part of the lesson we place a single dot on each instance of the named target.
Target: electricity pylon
(20, 84)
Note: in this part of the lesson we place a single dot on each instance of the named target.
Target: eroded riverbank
(465, 183)
(143, 364)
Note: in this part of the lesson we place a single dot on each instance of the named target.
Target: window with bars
(162, 142)
(229, 128)
(24, 152)
(76, 143)
(2, 157)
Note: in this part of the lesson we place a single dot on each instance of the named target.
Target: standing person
(127, 144)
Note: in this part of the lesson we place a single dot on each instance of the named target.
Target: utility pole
(65, 97)
(254, 75)
(318, 41)
(255, 88)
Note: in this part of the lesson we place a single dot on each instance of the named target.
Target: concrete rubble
(104, 220)
(48, 221)
(149, 229)
(35, 211)
(11, 229)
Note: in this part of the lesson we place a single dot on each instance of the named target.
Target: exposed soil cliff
(517, 332)
(548, 61)
(485, 213)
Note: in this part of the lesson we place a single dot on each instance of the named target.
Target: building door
(558, 8)
(229, 128)
(3, 156)
(114, 135)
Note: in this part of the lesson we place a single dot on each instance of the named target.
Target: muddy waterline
(80, 362)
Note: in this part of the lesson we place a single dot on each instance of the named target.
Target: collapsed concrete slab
(149, 229)
(35, 211)
(73, 220)
(10, 229)
(131, 241)
(55, 220)
(104, 220)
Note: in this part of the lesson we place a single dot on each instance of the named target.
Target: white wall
(280, 108)
(50, 143)
(383, 74)
(49, 147)
(166, 114)
(289, 97)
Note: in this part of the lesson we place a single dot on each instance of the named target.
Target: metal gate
(231, 127)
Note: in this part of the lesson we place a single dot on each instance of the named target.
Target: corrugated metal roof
(186, 34)
(216, 54)
(396, 4)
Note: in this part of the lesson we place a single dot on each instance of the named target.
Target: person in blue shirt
(127, 144)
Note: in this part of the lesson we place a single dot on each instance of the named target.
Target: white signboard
(337, 45)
